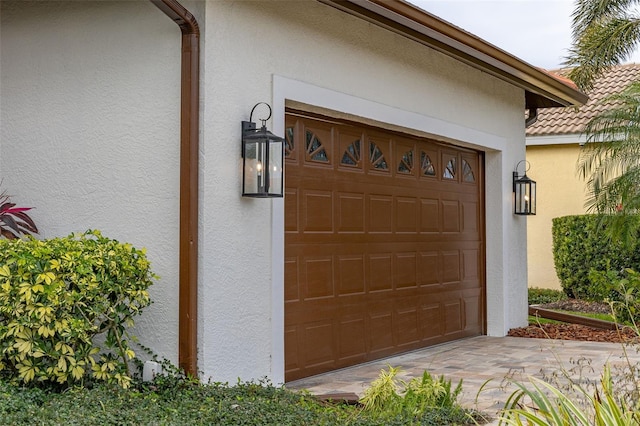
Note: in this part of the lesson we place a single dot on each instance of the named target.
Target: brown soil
(575, 331)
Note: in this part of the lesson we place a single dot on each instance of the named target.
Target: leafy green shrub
(540, 296)
(387, 397)
(580, 245)
(623, 289)
(57, 295)
(547, 405)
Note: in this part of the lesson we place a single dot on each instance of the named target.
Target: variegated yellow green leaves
(57, 295)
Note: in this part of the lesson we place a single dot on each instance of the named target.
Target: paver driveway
(478, 359)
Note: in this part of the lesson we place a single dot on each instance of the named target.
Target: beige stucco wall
(89, 110)
(561, 192)
(312, 53)
(89, 115)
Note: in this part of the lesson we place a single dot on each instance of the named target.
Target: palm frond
(610, 164)
(589, 11)
(601, 45)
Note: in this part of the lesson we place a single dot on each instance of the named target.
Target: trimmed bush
(540, 296)
(57, 295)
(580, 246)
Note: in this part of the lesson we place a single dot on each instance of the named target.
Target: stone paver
(482, 362)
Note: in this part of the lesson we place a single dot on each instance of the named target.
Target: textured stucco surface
(561, 192)
(248, 45)
(90, 121)
(90, 92)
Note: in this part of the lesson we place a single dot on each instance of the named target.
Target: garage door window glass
(288, 145)
(467, 172)
(427, 165)
(450, 170)
(315, 150)
(377, 158)
(406, 163)
(351, 155)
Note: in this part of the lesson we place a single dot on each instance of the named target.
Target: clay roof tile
(559, 121)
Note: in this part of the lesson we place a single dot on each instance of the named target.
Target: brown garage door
(384, 247)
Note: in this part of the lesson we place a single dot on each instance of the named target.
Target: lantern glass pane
(525, 197)
(275, 167)
(519, 198)
(254, 173)
(532, 190)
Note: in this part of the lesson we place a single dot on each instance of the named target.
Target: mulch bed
(575, 331)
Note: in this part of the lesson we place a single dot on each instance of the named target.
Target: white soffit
(556, 140)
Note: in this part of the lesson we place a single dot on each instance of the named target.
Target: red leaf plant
(14, 222)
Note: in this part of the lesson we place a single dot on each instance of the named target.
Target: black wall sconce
(524, 189)
(263, 159)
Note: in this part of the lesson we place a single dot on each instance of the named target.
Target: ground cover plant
(176, 400)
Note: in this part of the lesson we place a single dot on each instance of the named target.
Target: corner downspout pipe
(189, 148)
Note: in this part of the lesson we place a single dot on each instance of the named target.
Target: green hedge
(580, 246)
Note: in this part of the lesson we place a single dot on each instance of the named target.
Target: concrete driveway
(482, 362)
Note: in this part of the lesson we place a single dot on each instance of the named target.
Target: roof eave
(542, 89)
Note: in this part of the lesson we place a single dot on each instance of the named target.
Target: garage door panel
(291, 210)
(351, 208)
(472, 313)
(380, 272)
(407, 214)
(430, 320)
(380, 214)
(429, 268)
(406, 270)
(318, 278)
(450, 218)
(453, 316)
(407, 329)
(471, 260)
(318, 211)
(383, 245)
(429, 215)
(318, 347)
(351, 275)
(291, 275)
(380, 331)
(291, 350)
(470, 217)
(450, 266)
(352, 344)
